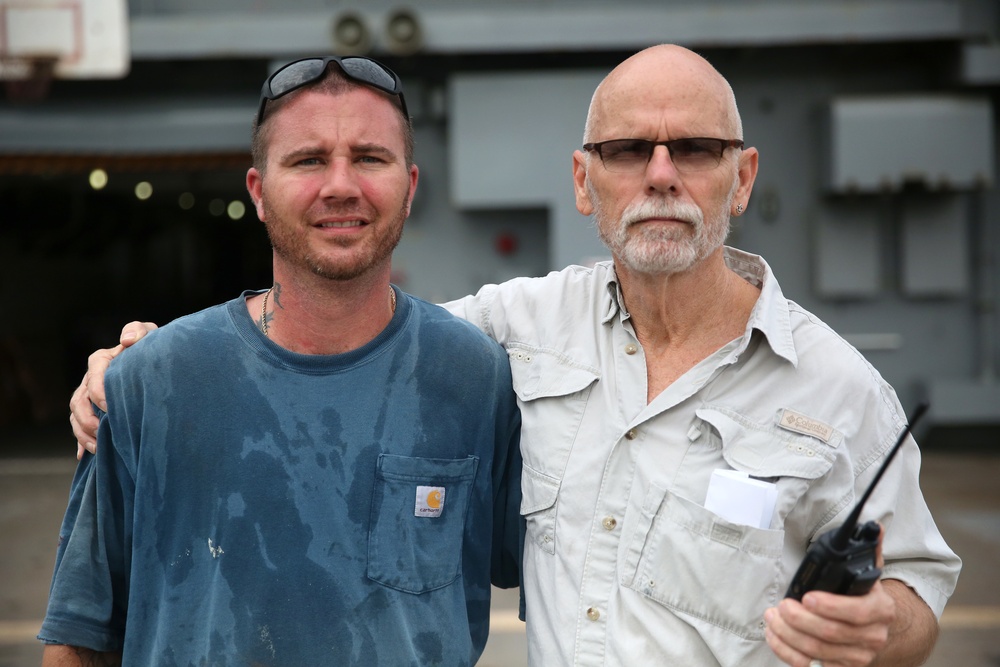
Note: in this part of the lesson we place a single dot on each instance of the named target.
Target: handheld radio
(843, 560)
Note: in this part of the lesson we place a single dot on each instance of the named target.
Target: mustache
(338, 208)
(660, 208)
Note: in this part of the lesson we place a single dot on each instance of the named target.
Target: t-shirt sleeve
(508, 529)
(88, 594)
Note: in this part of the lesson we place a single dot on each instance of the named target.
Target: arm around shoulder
(59, 655)
(91, 389)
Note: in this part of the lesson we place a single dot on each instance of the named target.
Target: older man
(640, 378)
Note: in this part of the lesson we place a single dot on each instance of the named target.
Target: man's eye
(626, 150)
(686, 148)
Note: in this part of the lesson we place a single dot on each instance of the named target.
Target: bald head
(678, 83)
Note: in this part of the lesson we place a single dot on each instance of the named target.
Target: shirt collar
(613, 303)
(770, 314)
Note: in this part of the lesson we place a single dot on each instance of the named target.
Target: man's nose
(661, 172)
(340, 180)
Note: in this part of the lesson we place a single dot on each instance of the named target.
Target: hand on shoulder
(91, 390)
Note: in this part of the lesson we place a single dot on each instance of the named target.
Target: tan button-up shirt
(623, 563)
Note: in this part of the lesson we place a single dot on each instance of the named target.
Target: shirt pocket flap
(768, 451)
(538, 491)
(539, 373)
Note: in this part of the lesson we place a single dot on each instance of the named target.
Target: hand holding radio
(842, 630)
(851, 626)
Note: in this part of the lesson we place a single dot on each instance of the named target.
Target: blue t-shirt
(253, 506)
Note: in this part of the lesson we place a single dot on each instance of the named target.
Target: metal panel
(981, 64)
(511, 139)
(184, 28)
(964, 402)
(881, 143)
(168, 127)
(935, 245)
(511, 135)
(847, 252)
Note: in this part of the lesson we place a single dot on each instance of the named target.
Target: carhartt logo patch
(430, 501)
(793, 421)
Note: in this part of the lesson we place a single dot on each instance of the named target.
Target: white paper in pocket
(738, 498)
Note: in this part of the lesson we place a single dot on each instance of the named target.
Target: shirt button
(609, 523)
(632, 433)
(631, 348)
(593, 614)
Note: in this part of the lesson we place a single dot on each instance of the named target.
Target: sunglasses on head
(302, 72)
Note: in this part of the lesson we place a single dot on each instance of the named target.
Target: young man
(315, 474)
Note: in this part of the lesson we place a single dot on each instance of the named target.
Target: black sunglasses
(688, 154)
(302, 72)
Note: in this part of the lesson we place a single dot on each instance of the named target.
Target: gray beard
(662, 250)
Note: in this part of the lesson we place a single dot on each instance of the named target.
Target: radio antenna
(843, 534)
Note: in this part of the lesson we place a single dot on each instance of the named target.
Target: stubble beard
(662, 249)
(290, 244)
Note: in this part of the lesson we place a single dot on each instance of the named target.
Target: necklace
(263, 313)
(263, 308)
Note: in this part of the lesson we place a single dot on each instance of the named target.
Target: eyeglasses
(302, 72)
(689, 154)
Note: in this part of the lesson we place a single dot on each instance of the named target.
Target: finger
(784, 640)
(82, 418)
(781, 650)
(134, 331)
(831, 640)
(97, 364)
(833, 656)
(879, 561)
(852, 611)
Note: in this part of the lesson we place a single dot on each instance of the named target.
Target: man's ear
(414, 177)
(583, 203)
(747, 171)
(255, 185)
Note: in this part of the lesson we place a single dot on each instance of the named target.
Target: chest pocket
(768, 451)
(411, 553)
(718, 574)
(552, 392)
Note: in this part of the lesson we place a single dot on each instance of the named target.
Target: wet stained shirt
(623, 563)
(252, 506)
